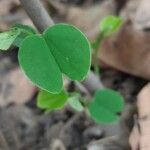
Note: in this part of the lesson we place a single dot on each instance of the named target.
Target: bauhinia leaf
(105, 106)
(50, 101)
(62, 49)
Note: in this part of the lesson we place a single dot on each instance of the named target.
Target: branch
(92, 82)
(42, 20)
(37, 13)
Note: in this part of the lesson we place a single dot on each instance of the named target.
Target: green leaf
(7, 38)
(105, 106)
(61, 49)
(15, 36)
(25, 31)
(75, 102)
(50, 101)
(110, 24)
(39, 64)
(70, 48)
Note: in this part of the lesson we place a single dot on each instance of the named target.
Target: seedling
(108, 26)
(62, 51)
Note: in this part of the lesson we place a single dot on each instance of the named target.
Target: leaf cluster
(63, 51)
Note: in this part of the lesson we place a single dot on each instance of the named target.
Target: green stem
(97, 45)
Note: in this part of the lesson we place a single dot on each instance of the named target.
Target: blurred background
(124, 60)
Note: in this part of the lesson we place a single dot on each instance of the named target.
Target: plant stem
(37, 13)
(42, 20)
(92, 82)
(96, 46)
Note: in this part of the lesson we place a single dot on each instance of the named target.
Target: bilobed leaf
(50, 101)
(110, 25)
(75, 102)
(61, 49)
(7, 38)
(105, 106)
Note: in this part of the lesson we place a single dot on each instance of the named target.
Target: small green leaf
(61, 49)
(75, 102)
(110, 25)
(25, 31)
(7, 38)
(50, 101)
(105, 106)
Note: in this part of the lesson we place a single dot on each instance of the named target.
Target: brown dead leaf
(128, 51)
(134, 138)
(143, 104)
(138, 12)
(142, 15)
(130, 9)
(140, 135)
(15, 88)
